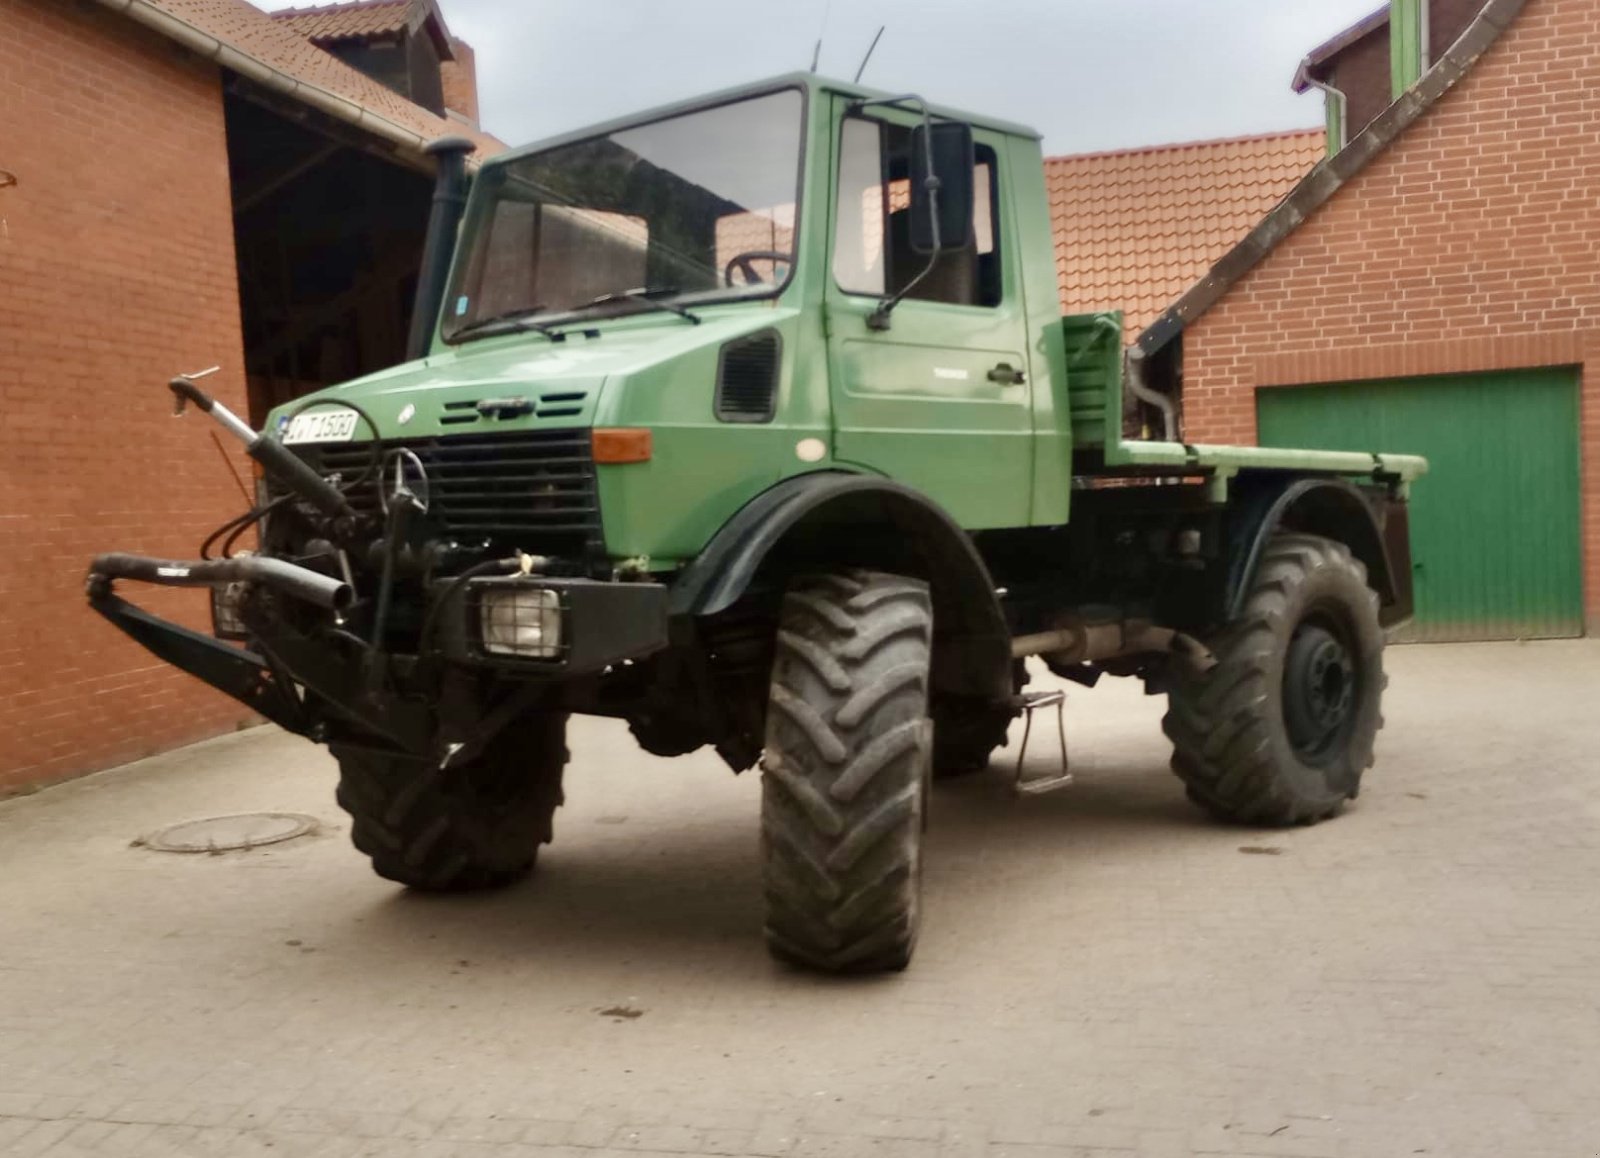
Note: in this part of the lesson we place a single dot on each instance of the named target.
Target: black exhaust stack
(449, 202)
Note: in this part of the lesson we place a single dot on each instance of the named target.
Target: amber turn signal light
(621, 444)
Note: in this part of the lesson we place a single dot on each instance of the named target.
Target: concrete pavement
(1102, 971)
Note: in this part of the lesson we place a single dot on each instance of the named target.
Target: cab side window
(872, 253)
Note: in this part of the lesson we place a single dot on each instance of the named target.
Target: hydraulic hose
(275, 458)
(299, 582)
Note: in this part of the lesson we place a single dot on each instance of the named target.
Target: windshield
(698, 207)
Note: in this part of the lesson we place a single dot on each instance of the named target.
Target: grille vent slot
(747, 378)
(557, 404)
(563, 404)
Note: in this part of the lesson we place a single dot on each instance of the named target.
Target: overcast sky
(1089, 75)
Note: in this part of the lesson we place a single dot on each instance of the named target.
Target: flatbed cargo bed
(1093, 348)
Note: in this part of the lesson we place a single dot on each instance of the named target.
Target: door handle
(1006, 375)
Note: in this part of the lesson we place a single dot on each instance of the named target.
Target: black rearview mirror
(941, 220)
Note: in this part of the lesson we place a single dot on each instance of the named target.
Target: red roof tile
(277, 45)
(330, 22)
(1135, 229)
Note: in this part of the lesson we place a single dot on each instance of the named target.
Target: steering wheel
(744, 263)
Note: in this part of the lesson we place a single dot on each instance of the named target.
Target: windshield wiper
(648, 295)
(510, 322)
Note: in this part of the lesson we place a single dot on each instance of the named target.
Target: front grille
(532, 490)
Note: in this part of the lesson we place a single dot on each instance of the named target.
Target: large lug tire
(477, 825)
(848, 746)
(1281, 730)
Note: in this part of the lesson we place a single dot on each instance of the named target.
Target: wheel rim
(1321, 689)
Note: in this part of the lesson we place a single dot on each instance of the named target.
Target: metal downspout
(225, 55)
(1336, 95)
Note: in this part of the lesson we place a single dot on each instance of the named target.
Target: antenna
(870, 47)
(822, 30)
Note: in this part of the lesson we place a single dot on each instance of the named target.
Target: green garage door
(1494, 523)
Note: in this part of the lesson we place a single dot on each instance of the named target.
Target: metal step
(1029, 703)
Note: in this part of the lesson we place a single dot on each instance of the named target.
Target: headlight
(521, 621)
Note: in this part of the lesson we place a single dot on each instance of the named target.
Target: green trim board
(1496, 531)
(1407, 22)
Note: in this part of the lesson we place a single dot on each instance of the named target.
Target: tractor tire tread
(1221, 725)
(845, 766)
(436, 830)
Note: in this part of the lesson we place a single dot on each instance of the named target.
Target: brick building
(183, 183)
(1134, 228)
(1435, 287)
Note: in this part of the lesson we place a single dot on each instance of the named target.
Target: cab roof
(808, 82)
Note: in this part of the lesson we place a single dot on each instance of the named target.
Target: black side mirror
(941, 216)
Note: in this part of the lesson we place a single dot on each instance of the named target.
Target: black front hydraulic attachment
(299, 582)
(241, 674)
(244, 675)
(267, 682)
(276, 459)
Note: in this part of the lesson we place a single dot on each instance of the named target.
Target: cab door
(940, 399)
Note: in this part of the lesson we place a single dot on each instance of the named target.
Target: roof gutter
(1318, 186)
(229, 57)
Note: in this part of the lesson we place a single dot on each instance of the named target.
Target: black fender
(1379, 536)
(835, 519)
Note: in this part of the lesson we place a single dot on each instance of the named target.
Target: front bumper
(600, 624)
(308, 680)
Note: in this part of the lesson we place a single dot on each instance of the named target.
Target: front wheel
(474, 825)
(1281, 730)
(845, 769)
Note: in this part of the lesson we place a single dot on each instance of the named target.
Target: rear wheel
(1281, 730)
(846, 766)
(475, 825)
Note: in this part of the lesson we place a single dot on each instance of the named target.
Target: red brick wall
(117, 255)
(1472, 243)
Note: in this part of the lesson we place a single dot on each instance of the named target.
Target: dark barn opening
(329, 226)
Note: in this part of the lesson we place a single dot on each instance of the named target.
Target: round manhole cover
(227, 833)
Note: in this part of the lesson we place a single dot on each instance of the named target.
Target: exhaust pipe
(449, 203)
(299, 582)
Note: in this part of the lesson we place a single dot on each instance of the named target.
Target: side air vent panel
(747, 378)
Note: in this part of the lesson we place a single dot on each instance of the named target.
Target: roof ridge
(1178, 146)
(335, 6)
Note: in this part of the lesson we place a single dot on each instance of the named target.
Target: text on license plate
(321, 426)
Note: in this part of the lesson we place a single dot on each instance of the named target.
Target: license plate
(321, 426)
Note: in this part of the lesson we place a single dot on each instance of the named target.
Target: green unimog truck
(754, 422)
